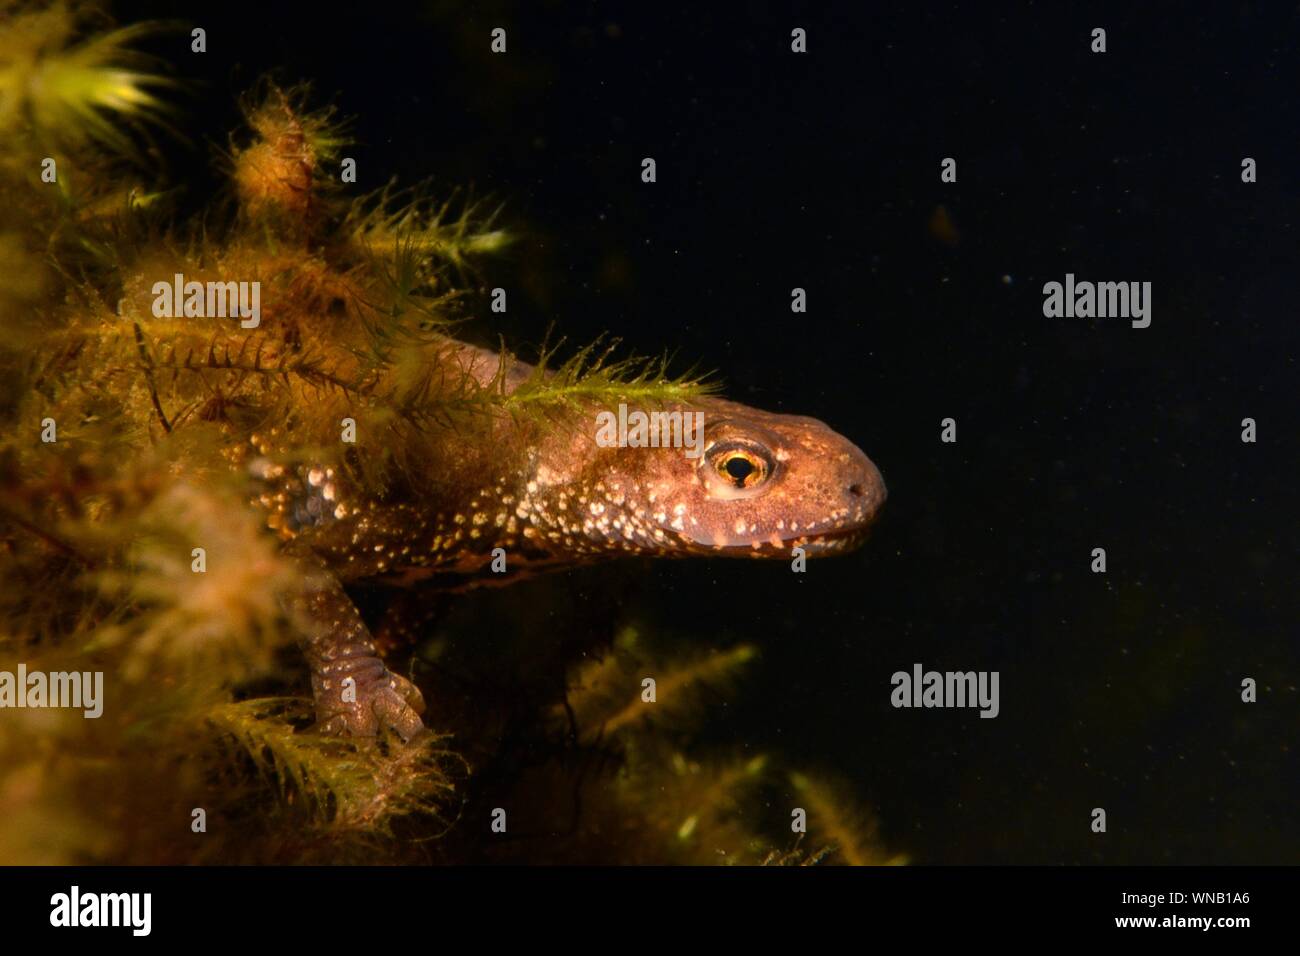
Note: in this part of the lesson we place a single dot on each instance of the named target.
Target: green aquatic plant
(410, 221)
(62, 85)
(593, 374)
(600, 702)
(833, 818)
(684, 804)
(340, 785)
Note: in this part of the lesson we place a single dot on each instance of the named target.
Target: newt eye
(740, 467)
(736, 466)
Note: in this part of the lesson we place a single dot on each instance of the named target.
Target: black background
(821, 171)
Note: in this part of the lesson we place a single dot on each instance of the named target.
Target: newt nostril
(856, 491)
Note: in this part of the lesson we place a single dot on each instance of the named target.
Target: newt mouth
(833, 542)
(841, 541)
(837, 542)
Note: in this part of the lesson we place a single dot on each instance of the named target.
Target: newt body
(548, 496)
(441, 461)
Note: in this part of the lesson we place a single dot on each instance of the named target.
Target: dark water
(821, 171)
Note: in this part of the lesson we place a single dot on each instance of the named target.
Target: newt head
(752, 484)
(765, 483)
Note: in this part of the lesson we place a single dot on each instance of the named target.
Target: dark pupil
(739, 468)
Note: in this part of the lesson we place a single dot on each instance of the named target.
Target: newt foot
(377, 700)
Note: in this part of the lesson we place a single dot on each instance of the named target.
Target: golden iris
(740, 467)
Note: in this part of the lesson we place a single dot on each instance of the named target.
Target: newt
(546, 497)
(437, 475)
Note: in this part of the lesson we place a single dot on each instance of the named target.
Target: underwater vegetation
(128, 546)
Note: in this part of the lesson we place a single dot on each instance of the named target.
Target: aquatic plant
(57, 89)
(834, 819)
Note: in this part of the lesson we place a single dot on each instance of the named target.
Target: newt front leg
(355, 693)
